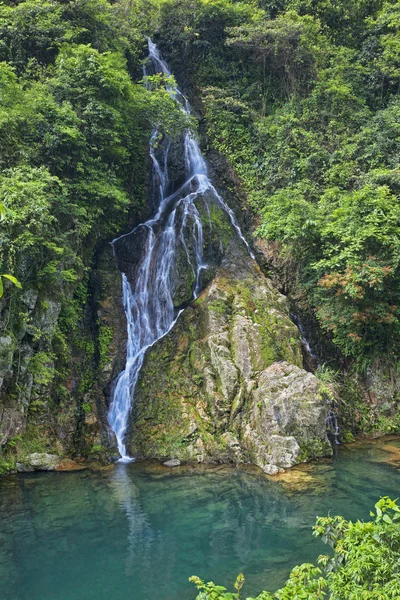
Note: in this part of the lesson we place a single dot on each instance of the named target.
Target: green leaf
(13, 279)
(387, 519)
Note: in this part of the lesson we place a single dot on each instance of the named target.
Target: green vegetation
(364, 564)
(18, 447)
(302, 99)
(75, 122)
(74, 128)
(11, 278)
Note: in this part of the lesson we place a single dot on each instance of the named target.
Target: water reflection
(140, 534)
(139, 531)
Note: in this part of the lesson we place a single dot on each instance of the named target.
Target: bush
(364, 565)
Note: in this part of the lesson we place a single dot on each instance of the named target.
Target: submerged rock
(227, 383)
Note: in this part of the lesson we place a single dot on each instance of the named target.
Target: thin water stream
(148, 300)
(138, 531)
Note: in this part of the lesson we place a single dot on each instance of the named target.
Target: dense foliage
(302, 98)
(74, 129)
(364, 565)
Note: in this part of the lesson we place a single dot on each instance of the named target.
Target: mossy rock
(198, 386)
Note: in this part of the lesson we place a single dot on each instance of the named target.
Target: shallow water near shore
(138, 531)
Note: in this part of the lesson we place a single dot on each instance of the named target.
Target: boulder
(173, 462)
(286, 421)
(41, 461)
(227, 383)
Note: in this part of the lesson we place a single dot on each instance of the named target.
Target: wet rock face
(227, 384)
(217, 233)
(56, 369)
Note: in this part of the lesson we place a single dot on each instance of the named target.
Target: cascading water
(304, 340)
(333, 425)
(148, 298)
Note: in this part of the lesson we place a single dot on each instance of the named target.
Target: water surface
(138, 531)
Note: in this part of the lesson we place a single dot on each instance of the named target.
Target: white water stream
(148, 300)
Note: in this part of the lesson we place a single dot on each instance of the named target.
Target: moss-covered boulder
(227, 384)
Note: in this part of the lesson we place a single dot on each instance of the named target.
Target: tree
(283, 45)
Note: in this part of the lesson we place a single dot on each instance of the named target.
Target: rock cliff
(227, 384)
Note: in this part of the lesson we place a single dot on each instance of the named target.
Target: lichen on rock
(227, 384)
(287, 419)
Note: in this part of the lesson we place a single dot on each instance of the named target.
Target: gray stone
(29, 298)
(7, 347)
(23, 468)
(286, 422)
(173, 462)
(39, 461)
(12, 423)
(227, 383)
(46, 316)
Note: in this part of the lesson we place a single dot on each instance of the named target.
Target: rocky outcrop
(26, 358)
(42, 461)
(227, 383)
(57, 363)
(7, 348)
(12, 423)
(286, 422)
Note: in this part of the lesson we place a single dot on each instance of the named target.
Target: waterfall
(296, 320)
(333, 425)
(148, 297)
